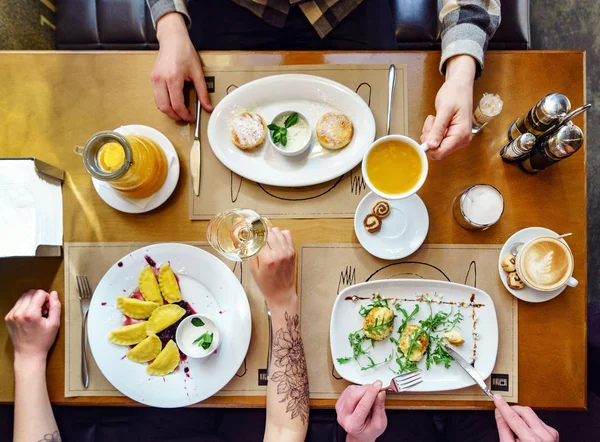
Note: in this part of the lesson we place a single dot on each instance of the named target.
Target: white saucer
(527, 294)
(127, 205)
(402, 232)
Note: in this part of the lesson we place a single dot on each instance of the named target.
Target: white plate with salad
(379, 329)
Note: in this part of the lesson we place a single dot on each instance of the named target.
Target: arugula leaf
(407, 317)
(344, 360)
(291, 119)
(197, 322)
(441, 355)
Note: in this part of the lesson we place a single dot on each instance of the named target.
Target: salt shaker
(489, 107)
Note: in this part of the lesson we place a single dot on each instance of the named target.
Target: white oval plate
(402, 232)
(123, 204)
(527, 293)
(311, 96)
(211, 288)
(345, 320)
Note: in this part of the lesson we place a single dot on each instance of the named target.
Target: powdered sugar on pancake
(248, 128)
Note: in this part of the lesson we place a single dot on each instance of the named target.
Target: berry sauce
(169, 333)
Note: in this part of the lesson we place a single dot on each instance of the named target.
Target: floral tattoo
(292, 380)
(54, 437)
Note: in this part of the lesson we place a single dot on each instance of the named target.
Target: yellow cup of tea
(395, 167)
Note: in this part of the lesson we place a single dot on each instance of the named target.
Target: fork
(404, 381)
(85, 295)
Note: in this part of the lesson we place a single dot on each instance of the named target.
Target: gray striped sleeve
(158, 8)
(467, 27)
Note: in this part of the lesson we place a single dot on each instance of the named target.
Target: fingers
(288, 238)
(162, 100)
(348, 400)
(504, 431)
(276, 239)
(427, 127)
(175, 88)
(514, 421)
(364, 406)
(535, 423)
(378, 417)
(201, 89)
(438, 129)
(37, 302)
(458, 136)
(54, 310)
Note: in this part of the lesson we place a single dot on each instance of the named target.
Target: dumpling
(168, 284)
(135, 308)
(419, 347)
(379, 323)
(164, 316)
(149, 286)
(146, 350)
(166, 361)
(129, 334)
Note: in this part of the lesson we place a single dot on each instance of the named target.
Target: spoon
(514, 249)
(391, 88)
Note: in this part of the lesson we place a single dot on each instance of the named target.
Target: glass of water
(238, 234)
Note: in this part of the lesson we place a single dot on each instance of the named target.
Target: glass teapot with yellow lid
(133, 165)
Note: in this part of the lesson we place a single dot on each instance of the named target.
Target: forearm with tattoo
(290, 372)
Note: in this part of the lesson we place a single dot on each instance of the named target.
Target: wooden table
(52, 101)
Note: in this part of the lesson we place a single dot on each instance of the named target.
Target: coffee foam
(546, 264)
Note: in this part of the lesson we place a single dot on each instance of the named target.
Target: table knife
(469, 369)
(195, 153)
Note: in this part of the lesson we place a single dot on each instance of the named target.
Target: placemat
(94, 260)
(326, 269)
(221, 189)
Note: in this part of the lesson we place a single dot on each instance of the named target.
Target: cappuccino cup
(546, 263)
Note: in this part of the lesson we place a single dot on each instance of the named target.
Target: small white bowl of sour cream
(298, 137)
(197, 336)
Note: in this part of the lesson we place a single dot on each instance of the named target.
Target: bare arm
(287, 391)
(32, 334)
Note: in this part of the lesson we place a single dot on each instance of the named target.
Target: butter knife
(469, 369)
(195, 153)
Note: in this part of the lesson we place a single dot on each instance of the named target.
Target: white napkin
(30, 209)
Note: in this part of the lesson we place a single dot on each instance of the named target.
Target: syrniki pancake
(248, 130)
(334, 130)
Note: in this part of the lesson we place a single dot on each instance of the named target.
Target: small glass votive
(489, 107)
(478, 207)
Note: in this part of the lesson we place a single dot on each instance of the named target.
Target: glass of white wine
(238, 234)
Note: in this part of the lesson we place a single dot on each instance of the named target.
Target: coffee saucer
(527, 293)
(402, 232)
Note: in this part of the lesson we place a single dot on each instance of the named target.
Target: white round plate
(527, 293)
(311, 96)
(345, 319)
(402, 232)
(127, 205)
(211, 288)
